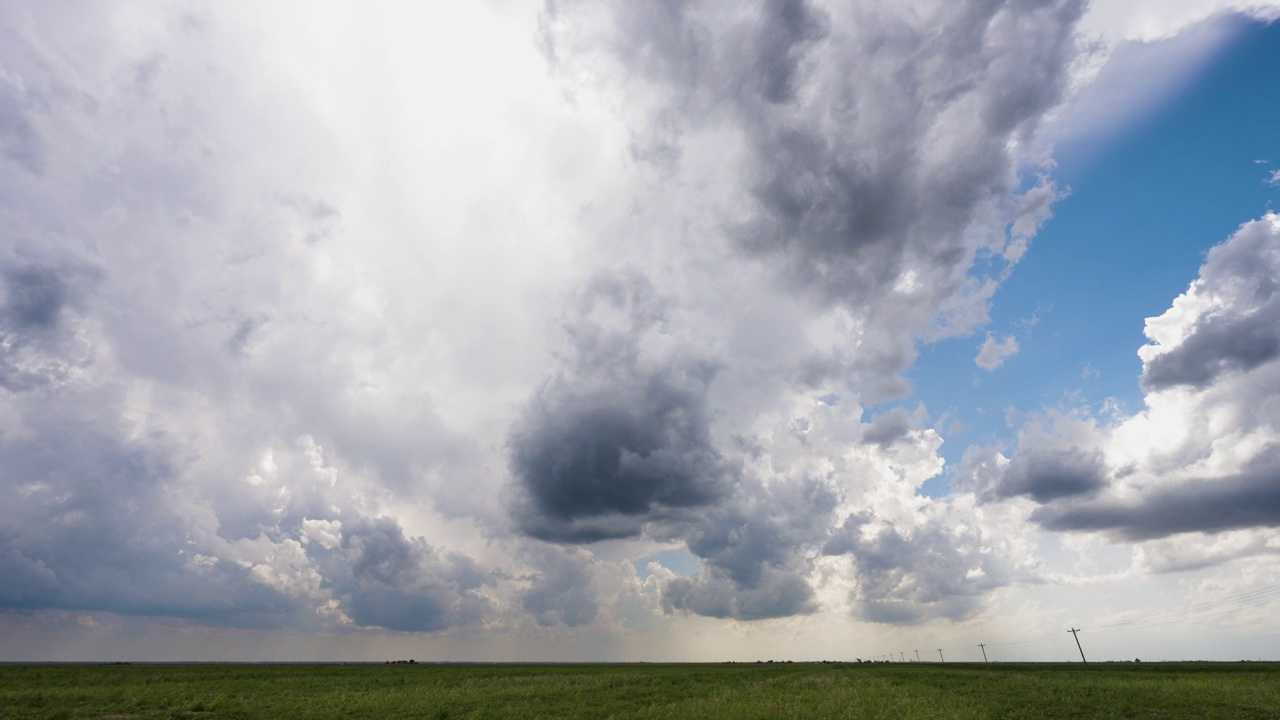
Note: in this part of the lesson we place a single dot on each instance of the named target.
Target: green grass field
(801, 690)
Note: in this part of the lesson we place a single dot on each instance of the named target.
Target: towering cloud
(859, 167)
(304, 326)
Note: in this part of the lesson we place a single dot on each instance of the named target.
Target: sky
(619, 331)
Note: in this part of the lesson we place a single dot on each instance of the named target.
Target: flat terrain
(800, 690)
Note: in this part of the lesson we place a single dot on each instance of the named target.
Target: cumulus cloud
(561, 591)
(880, 208)
(619, 437)
(1227, 321)
(397, 583)
(994, 352)
(175, 334)
(307, 329)
(1045, 475)
(889, 192)
(938, 566)
(1202, 456)
(887, 428)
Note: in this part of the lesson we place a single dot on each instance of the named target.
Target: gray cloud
(879, 163)
(1250, 499)
(851, 213)
(887, 428)
(1219, 344)
(774, 592)
(615, 440)
(561, 591)
(37, 347)
(875, 169)
(1238, 330)
(787, 29)
(906, 576)
(34, 297)
(403, 584)
(753, 553)
(1046, 475)
(87, 526)
(18, 135)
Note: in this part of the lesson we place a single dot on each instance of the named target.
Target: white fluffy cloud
(1200, 461)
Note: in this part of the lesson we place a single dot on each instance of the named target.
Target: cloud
(937, 567)
(393, 582)
(619, 437)
(887, 428)
(888, 193)
(753, 553)
(869, 211)
(994, 352)
(1227, 321)
(338, 336)
(1246, 500)
(561, 592)
(1202, 457)
(1047, 475)
(88, 526)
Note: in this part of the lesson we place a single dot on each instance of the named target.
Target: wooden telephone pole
(917, 656)
(1073, 632)
(940, 655)
(984, 651)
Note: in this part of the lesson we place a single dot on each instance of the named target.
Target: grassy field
(1147, 690)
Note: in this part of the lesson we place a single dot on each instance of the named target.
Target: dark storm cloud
(404, 584)
(87, 526)
(787, 28)
(35, 346)
(1046, 475)
(751, 548)
(616, 439)
(848, 213)
(33, 297)
(909, 576)
(1250, 499)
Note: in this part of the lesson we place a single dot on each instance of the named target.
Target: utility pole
(940, 655)
(903, 656)
(1073, 632)
(984, 651)
(917, 656)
